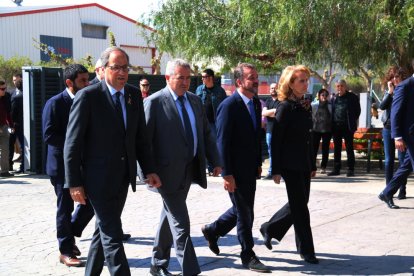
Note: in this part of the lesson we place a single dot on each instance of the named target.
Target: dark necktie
(252, 112)
(187, 125)
(118, 107)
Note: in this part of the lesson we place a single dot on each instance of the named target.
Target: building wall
(19, 30)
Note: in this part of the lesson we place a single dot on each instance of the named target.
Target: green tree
(11, 66)
(350, 34)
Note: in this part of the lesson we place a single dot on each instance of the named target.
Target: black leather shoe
(350, 173)
(211, 239)
(309, 259)
(268, 177)
(126, 237)
(401, 196)
(256, 265)
(388, 201)
(159, 271)
(334, 173)
(266, 239)
(6, 174)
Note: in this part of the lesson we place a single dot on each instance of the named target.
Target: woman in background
(322, 126)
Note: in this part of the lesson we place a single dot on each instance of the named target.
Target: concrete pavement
(354, 232)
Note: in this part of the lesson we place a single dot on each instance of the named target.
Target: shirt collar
(175, 97)
(245, 99)
(113, 90)
(71, 95)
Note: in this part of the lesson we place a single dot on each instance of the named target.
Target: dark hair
(17, 75)
(71, 72)
(209, 72)
(321, 91)
(239, 70)
(395, 71)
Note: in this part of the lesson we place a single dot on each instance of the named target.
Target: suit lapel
(244, 109)
(171, 110)
(197, 114)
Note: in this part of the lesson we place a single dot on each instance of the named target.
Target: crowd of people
(207, 130)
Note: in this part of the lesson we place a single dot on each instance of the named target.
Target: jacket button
(122, 158)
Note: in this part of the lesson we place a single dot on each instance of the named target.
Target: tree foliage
(11, 66)
(352, 34)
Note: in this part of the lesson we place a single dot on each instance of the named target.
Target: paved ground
(354, 233)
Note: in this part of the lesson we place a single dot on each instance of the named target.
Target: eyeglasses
(118, 68)
(145, 85)
(3, 88)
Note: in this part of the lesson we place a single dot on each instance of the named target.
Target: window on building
(94, 31)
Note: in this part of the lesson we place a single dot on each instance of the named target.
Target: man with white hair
(99, 71)
(180, 140)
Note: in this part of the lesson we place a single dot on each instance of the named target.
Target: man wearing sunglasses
(144, 86)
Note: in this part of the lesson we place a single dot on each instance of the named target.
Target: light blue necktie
(252, 112)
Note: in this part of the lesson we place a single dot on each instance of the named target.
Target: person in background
(5, 125)
(55, 118)
(239, 144)
(269, 112)
(345, 112)
(99, 71)
(144, 86)
(294, 161)
(211, 95)
(17, 118)
(322, 126)
(393, 77)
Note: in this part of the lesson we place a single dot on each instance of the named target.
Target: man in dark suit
(106, 136)
(181, 139)
(402, 130)
(17, 117)
(238, 140)
(55, 120)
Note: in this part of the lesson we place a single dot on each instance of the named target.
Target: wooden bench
(367, 140)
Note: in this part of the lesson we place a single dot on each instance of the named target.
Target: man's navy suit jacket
(402, 114)
(54, 123)
(98, 147)
(238, 142)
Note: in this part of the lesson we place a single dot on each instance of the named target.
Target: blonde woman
(293, 160)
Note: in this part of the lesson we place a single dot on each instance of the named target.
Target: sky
(133, 9)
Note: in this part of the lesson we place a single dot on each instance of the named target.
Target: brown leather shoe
(70, 261)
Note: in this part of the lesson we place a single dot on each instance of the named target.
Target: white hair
(172, 64)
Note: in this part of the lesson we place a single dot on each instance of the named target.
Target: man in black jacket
(345, 112)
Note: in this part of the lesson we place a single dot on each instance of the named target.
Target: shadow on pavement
(13, 180)
(342, 264)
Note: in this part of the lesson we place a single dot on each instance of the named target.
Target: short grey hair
(172, 64)
(107, 52)
(341, 81)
